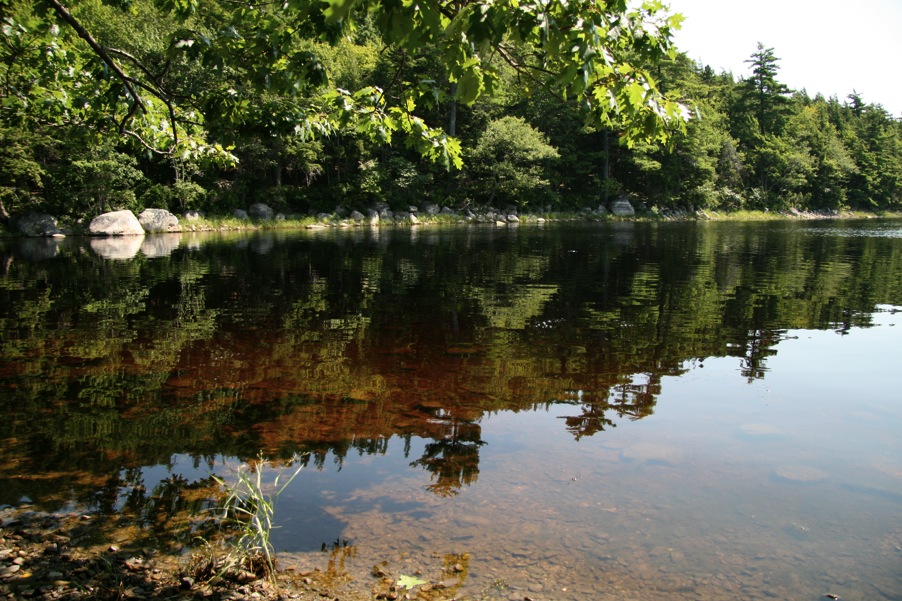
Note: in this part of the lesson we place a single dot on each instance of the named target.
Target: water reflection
(117, 248)
(472, 383)
(160, 245)
(335, 341)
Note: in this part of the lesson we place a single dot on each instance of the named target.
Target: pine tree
(762, 95)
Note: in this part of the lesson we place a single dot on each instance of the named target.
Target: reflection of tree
(758, 347)
(337, 344)
(453, 456)
(633, 400)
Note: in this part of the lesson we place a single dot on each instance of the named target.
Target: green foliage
(22, 175)
(761, 96)
(103, 179)
(218, 104)
(510, 157)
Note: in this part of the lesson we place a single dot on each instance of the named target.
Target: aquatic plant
(249, 508)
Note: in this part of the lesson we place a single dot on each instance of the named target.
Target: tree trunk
(452, 112)
(4, 216)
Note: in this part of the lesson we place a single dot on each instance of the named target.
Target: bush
(509, 163)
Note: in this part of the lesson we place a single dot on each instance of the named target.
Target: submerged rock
(651, 452)
(799, 473)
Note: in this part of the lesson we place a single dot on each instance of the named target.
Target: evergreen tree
(761, 95)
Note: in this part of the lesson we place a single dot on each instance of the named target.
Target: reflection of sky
(700, 478)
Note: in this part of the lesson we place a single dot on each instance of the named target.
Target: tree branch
(143, 143)
(83, 33)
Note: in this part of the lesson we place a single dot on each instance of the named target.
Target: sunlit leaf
(409, 581)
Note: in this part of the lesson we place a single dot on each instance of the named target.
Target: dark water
(607, 411)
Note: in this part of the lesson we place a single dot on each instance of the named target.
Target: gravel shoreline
(55, 556)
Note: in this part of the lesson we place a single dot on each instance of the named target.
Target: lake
(567, 411)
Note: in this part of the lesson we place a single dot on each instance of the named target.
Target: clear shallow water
(620, 411)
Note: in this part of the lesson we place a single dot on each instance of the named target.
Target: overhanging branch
(83, 33)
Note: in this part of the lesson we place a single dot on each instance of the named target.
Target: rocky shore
(53, 556)
(259, 215)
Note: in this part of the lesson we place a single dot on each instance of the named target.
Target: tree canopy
(85, 71)
(216, 104)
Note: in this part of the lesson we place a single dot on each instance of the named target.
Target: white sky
(826, 46)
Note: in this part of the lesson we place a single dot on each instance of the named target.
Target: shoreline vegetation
(341, 219)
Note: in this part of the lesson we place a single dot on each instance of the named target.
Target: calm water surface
(606, 411)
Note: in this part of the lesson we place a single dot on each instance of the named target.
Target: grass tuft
(247, 512)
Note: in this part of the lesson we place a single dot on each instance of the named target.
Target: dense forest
(212, 105)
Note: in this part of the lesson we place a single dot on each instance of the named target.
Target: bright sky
(826, 46)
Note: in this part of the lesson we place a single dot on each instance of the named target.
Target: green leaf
(470, 86)
(338, 10)
(409, 581)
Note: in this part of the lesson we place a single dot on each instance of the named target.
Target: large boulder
(260, 211)
(116, 223)
(622, 207)
(38, 225)
(159, 221)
